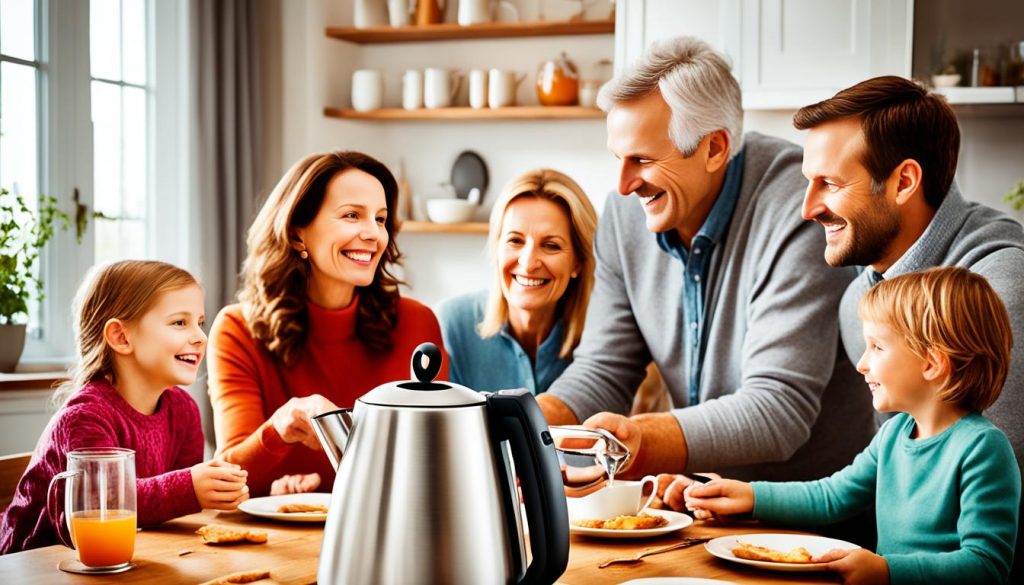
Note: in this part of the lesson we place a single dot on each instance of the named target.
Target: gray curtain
(224, 147)
(225, 137)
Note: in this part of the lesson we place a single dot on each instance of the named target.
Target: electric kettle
(424, 492)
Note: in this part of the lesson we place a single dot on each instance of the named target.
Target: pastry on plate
(300, 508)
(753, 552)
(642, 522)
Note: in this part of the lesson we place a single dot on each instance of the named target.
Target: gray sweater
(779, 400)
(988, 243)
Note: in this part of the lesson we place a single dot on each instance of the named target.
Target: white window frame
(66, 155)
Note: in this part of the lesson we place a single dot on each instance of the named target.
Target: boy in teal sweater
(943, 479)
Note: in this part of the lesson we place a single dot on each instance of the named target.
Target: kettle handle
(517, 419)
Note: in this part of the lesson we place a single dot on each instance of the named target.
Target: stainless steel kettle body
(424, 494)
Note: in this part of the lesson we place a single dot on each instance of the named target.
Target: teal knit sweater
(946, 506)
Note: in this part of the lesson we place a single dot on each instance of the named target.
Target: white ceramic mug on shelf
(412, 90)
(367, 90)
(501, 87)
(478, 88)
(400, 12)
(440, 87)
(370, 13)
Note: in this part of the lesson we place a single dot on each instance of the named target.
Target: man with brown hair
(880, 157)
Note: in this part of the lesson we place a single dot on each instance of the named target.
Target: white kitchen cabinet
(785, 53)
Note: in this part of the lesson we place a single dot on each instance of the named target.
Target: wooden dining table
(172, 554)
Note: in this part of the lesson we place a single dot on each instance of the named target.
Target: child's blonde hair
(956, 312)
(125, 291)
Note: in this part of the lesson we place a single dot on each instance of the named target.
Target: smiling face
(168, 339)
(346, 239)
(535, 254)
(860, 226)
(895, 375)
(676, 191)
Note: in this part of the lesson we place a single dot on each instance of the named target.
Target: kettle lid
(422, 390)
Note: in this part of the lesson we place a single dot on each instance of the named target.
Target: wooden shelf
(466, 113)
(452, 32)
(426, 227)
(979, 95)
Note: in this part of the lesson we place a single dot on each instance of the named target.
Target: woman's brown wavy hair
(273, 294)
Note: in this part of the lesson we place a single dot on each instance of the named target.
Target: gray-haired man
(728, 295)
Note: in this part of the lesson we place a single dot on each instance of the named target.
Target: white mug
(478, 88)
(370, 13)
(618, 498)
(399, 12)
(367, 90)
(412, 90)
(501, 88)
(474, 12)
(440, 87)
(588, 93)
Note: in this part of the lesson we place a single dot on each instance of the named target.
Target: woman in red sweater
(320, 321)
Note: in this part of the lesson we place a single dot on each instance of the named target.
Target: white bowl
(450, 210)
(947, 80)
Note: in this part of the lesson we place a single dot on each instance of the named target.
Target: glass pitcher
(99, 505)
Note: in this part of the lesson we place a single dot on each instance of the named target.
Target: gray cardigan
(779, 400)
(988, 243)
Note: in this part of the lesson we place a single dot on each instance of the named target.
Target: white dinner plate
(675, 581)
(676, 521)
(816, 545)
(266, 507)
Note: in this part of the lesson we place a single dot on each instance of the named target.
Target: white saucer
(816, 545)
(676, 521)
(267, 507)
(76, 566)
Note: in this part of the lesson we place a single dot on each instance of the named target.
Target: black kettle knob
(429, 353)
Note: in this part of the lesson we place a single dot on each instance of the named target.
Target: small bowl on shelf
(946, 80)
(450, 210)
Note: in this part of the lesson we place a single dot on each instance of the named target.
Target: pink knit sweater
(166, 444)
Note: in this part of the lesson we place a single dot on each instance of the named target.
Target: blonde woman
(319, 321)
(521, 334)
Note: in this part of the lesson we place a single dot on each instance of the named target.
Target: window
(19, 106)
(92, 106)
(117, 33)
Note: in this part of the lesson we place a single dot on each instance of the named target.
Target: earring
(303, 254)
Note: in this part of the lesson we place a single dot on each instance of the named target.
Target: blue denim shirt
(697, 266)
(498, 362)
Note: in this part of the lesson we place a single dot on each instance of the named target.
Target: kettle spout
(332, 428)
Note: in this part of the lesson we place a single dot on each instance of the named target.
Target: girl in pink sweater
(139, 334)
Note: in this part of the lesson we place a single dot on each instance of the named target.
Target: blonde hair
(955, 312)
(563, 191)
(273, 294)
(695, 81)
(122, 290)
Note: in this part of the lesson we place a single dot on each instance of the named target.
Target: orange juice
(104, 542)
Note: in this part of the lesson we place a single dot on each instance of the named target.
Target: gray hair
(697, 84)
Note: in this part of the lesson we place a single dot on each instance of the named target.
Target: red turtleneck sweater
(247, 384)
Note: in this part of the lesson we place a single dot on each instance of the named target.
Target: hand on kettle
(291, 421)
(295, 484)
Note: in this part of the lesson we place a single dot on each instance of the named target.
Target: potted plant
(23, 233)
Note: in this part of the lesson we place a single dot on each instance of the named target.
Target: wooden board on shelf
(452, 31)
(466, 113)
(426, 227)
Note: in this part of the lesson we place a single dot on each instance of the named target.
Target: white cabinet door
(800, 51)
(786, 53)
